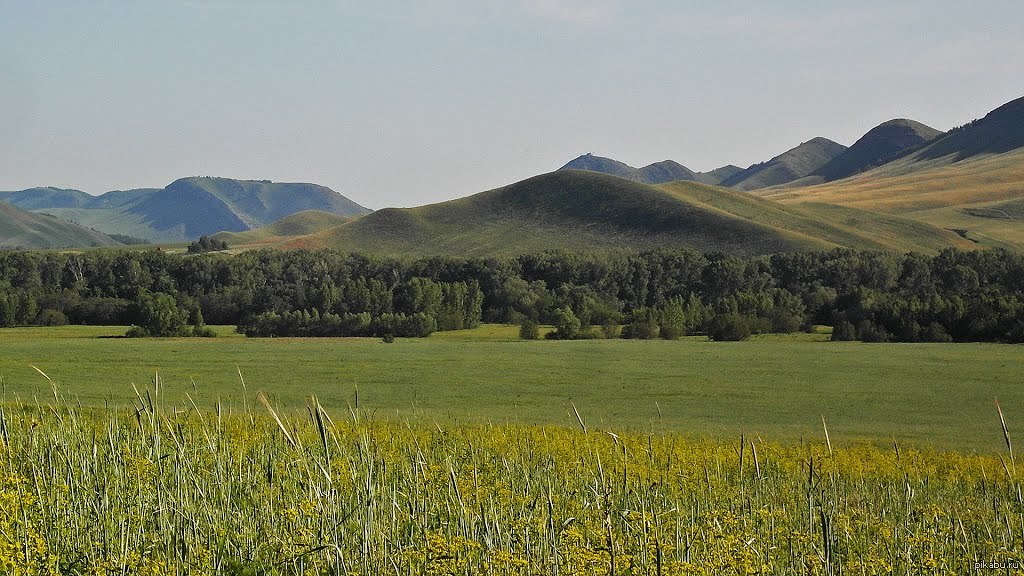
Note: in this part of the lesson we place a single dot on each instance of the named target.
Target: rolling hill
(957, 181)
(587, 210)
(287, 228)
(187, 208)
(21, 229)
(657, 173)
(791, 165)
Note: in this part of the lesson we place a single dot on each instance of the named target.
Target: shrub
(729, 328)
(643, 325)
(843, 331)
(51, 317)
(934, 332)
(528, 329)
(869, 332)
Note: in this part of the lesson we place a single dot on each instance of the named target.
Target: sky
(406, 103)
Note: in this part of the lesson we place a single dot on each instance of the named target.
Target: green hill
(26, 230)
(657, 173)
(791, 165)
(880, 145)
(187, 208)
(287, 228)
(585, 210)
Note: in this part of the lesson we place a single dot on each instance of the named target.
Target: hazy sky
(405, 103)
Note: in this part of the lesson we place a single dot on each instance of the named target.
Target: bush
(643, 325)
(207, 244)
(843, 331)
(528, 329)
(203, 331)
(51, 317)
(729, 328)
(388, 338)
(934, 332)
(868, 332)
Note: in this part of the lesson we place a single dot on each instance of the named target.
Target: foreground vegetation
(160, 489)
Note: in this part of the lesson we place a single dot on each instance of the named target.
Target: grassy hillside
(880, 145)
(22, 229)
(283, 230)
(786, 167)
(948, 195)
(837, 225)
(967, 180)
(657, 173)
(587, 210)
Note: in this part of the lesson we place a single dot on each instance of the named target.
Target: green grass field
(777, 387)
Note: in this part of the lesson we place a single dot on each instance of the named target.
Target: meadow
(471, 452)
(776, 386)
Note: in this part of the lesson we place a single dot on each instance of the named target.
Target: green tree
(567, 325)
(673, 320)
(159, 315)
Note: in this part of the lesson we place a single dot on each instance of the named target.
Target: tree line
(871, 296)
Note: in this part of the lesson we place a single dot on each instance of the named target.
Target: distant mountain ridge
(656, 173)
(882, 144)
(791, 165)
(27, 230)
(187, 208)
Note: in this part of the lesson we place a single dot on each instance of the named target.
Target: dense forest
(871, 296)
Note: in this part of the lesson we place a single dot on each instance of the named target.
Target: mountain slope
(586, 210)
(791, 165)
(46, 197)
(718, 175)
(1000, 131)
(23, 229)
(187, 208)
(880, 145)
(959, 181)
(657, 173)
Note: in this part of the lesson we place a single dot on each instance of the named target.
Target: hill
(23, 229)
(46, 197)
(958, 181)
(657, 173)
(585, 210)
(1000, 131)
(718, 175)
(187, 208)
(287, 228)
(791, 165)
(882, 144)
